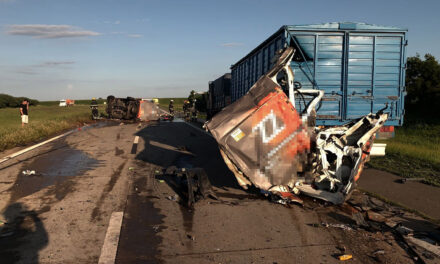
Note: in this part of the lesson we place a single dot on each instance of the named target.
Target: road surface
(97, 196)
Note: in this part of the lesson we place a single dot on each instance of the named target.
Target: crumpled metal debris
(340, 226)
(194, 183)
(267, 143)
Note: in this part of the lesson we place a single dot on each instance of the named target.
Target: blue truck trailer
(360, 67)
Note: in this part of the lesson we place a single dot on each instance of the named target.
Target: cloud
(135, 35)
(54, 63)
(70, 87)
(117, 22)
(232, 44)
(27, 72)
(143, 20)
(49, 31)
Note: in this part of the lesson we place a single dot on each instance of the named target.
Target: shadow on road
(178, 144)
(22, 236)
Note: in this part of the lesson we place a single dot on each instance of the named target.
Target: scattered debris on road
(174, 198)
(404, 180)
(28, 172)
(266, 142)
(345, 257)
(193, 182)
(375, 217)
(379, 252)
(340, 226)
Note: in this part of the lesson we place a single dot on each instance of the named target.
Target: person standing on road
(94, 107)
(24, 109)
(171, 107)
(194, 111)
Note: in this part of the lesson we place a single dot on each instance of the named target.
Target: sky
(78, 49)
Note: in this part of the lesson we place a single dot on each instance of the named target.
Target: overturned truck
(267, 143)
(132, 109)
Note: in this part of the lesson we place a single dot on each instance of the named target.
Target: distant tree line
(423, 84)
(11, 101)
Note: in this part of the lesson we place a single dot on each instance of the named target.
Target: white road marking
(33, 147)
(136, 140)
(111, 241)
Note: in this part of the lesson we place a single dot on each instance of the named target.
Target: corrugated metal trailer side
(360, 67)
(219, 93)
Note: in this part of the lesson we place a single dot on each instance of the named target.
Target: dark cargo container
(360, 67)
(219, 94)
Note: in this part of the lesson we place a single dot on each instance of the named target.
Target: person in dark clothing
(24, 109)
(186, 109)
(94, 107)
(171, 107)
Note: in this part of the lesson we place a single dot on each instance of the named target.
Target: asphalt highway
(101, 195)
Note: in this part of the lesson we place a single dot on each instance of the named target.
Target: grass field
(178, 103)
(44, 121)
(413, 152)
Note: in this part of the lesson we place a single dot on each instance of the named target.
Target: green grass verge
(413, 152)
(178, 103)
(44, 121)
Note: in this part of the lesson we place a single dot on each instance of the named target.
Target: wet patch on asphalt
(96, 214)
(99, 124)
(53, 168)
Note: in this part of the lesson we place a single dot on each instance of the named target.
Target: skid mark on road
(111, 241)
(108, 188)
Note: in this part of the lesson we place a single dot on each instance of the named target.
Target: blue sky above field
(53, 49)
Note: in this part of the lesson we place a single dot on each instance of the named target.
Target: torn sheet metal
(266, 142)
